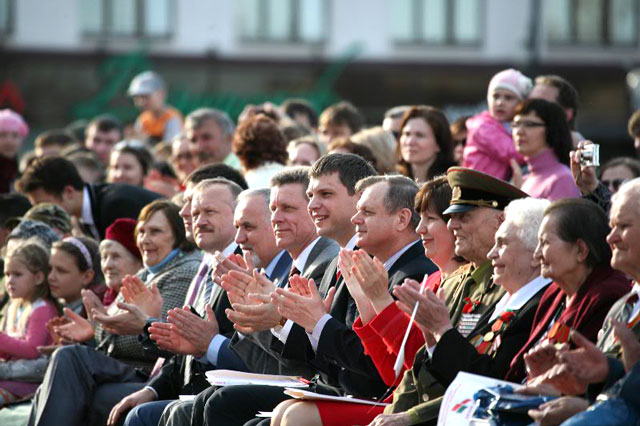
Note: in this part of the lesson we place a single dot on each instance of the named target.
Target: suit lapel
(281, 270)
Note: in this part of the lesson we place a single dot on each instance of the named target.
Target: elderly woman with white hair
(490, 348)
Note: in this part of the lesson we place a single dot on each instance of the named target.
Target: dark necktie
(294, 271)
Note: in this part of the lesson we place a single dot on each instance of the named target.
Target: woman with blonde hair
(382, 143)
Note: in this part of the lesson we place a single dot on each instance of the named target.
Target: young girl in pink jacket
(490, 147)
(23, 326)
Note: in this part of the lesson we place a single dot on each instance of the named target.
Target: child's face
(65, 279)
(20, 282)
(9, 143)
(502, 104)
(151, 102)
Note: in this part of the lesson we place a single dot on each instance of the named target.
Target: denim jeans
(612, 412)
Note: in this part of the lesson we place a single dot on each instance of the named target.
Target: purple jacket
(548, 178)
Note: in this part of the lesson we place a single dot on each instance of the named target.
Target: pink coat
(25, 347)
(489, 146)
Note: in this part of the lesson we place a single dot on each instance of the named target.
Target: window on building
(6, 17)
(298, 21)
(443, 22)
(592, 22)
(127, 18)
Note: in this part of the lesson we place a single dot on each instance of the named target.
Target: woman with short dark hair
(130, 162)
(573, 252)
(542, 136)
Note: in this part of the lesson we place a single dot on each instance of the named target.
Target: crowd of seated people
(376, 262)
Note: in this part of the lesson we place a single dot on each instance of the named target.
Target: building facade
(70, 58)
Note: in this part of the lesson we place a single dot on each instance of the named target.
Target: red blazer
(602, 288)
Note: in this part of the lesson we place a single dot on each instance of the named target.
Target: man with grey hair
(254, 235)
(199, 339)
(210, 133)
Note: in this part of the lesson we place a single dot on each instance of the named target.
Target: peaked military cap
(471, 189)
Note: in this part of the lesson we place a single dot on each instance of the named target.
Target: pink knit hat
(512, 80)
(11, 121)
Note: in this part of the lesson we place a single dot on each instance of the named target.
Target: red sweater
(602, 288)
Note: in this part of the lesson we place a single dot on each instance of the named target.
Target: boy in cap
(158, 121)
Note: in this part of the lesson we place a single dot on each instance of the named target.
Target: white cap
(146, 83)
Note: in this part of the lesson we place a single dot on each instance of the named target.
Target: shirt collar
(300, 262)
(351, 244)
(230, 249)
(87, 214)
(636, 288)
(390, 261)
(272, 265)
(518, 299)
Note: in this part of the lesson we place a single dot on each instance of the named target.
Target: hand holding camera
(584, 161)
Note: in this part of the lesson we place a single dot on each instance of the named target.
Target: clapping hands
(432, 315)
(302, 303)
(148, 299)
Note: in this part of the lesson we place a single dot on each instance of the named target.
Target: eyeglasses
(526, 124)
(613, 184)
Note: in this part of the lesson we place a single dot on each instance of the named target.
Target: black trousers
(234, 405)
